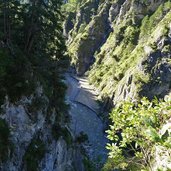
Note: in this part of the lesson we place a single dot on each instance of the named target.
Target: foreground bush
(135, 132)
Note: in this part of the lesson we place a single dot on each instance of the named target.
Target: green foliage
(34, 153)
(14, 82)
(134, 133)
(32, 54)
(124, 48)
(32, 50)
(58, 131)
(149, 22)
(72, 5)
(81, 29)
(131, 35)
(5, 144)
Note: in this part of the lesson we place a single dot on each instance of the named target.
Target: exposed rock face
(25, 125)
(61, 158)
(68, 24)
(80, 19)
(162, 155)
(126, 48)
(92, 37)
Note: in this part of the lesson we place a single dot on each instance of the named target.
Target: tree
(31, 39)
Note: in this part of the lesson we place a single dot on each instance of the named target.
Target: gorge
(85, 85)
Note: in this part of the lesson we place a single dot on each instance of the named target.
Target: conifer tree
(31, 39)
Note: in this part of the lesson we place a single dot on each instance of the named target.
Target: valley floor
(84, 113)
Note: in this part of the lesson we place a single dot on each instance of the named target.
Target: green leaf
(152, 134)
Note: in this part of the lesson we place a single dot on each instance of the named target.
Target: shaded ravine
(84, 116)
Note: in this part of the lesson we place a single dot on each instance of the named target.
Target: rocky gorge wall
(36, 140)
(125, 47)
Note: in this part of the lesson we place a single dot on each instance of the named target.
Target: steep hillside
(34, 118)
(124, 46)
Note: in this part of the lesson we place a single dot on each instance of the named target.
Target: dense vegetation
(136, 131)
(31, 49)
(32, 54)
(71, 5)
(124, 48)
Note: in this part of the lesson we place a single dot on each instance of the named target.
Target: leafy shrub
(149, 22)
(134, 133)
(131, 35)
(71, 5)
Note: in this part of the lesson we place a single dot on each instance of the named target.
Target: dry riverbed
(84, 116)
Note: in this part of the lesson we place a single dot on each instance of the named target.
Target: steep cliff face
(34, 117)
(125, 48)
(37, 139)
(88, 34)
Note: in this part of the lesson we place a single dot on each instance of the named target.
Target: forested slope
(33, 116)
